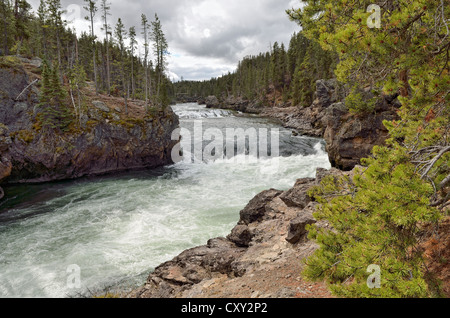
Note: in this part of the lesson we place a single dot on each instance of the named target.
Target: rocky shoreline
(264, 254)
(262, 257)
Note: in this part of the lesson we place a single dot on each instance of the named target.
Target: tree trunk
(404, 88)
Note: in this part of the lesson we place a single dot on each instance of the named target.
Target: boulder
(297, 227)
(101, 106)
(350, 138)
(241, 236)
(298, 196)
(212, 102)
(256, 208)
(326, 92)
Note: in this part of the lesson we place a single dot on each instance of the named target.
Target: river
(82, 237)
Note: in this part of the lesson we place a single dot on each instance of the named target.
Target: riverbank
(119, 228)
(265, 253)
(262, 257)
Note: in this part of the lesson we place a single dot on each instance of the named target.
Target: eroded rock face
(103, 145)
(260, 258)
(350, 138)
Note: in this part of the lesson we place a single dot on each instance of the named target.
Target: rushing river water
(113, 231)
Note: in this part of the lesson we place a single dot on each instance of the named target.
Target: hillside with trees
(107, 60)
(78, 104)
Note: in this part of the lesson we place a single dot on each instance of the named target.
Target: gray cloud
(206, 37)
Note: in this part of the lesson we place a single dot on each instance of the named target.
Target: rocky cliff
(106, 141)
(349, 137)
(261, 257)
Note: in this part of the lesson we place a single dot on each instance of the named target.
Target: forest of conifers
(290, 73)
(108, 59)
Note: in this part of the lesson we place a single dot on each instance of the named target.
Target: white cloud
(206, 38)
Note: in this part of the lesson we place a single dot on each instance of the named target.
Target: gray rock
(20, 107)
(297, 227)
(350, 138)
(256, 209)
(297, 196)
(35, 61)
(101, 106)
(212, 102)
(99, 149)
(241, 236)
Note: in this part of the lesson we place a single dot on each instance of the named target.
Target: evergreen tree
(121, 34)
(7, 18)
(55, 114)
(377, 218)
(133, 45)
(105, 7)
(160, 49)
(91, 7)
(145, 28)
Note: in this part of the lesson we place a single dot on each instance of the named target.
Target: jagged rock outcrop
(105, 143)
(261, 257)
(352, 137)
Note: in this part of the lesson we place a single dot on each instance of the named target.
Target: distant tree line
(286, 74)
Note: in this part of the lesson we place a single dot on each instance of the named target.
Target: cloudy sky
(206, 38)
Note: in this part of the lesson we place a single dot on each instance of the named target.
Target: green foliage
(291, 74)
(55, 113)
(358, 104)
(375, 218)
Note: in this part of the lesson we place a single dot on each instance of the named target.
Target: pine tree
(7, 18)
(77, 81)
(160, 49)
(145, 27)
(21, 17)
(55, 115)
(133, 45)
(92, 10)
(105, 7)
(377, 215)
(120, 34)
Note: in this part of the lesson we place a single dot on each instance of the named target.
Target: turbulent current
(83, 237)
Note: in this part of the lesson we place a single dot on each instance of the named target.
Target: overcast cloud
(206, 38)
